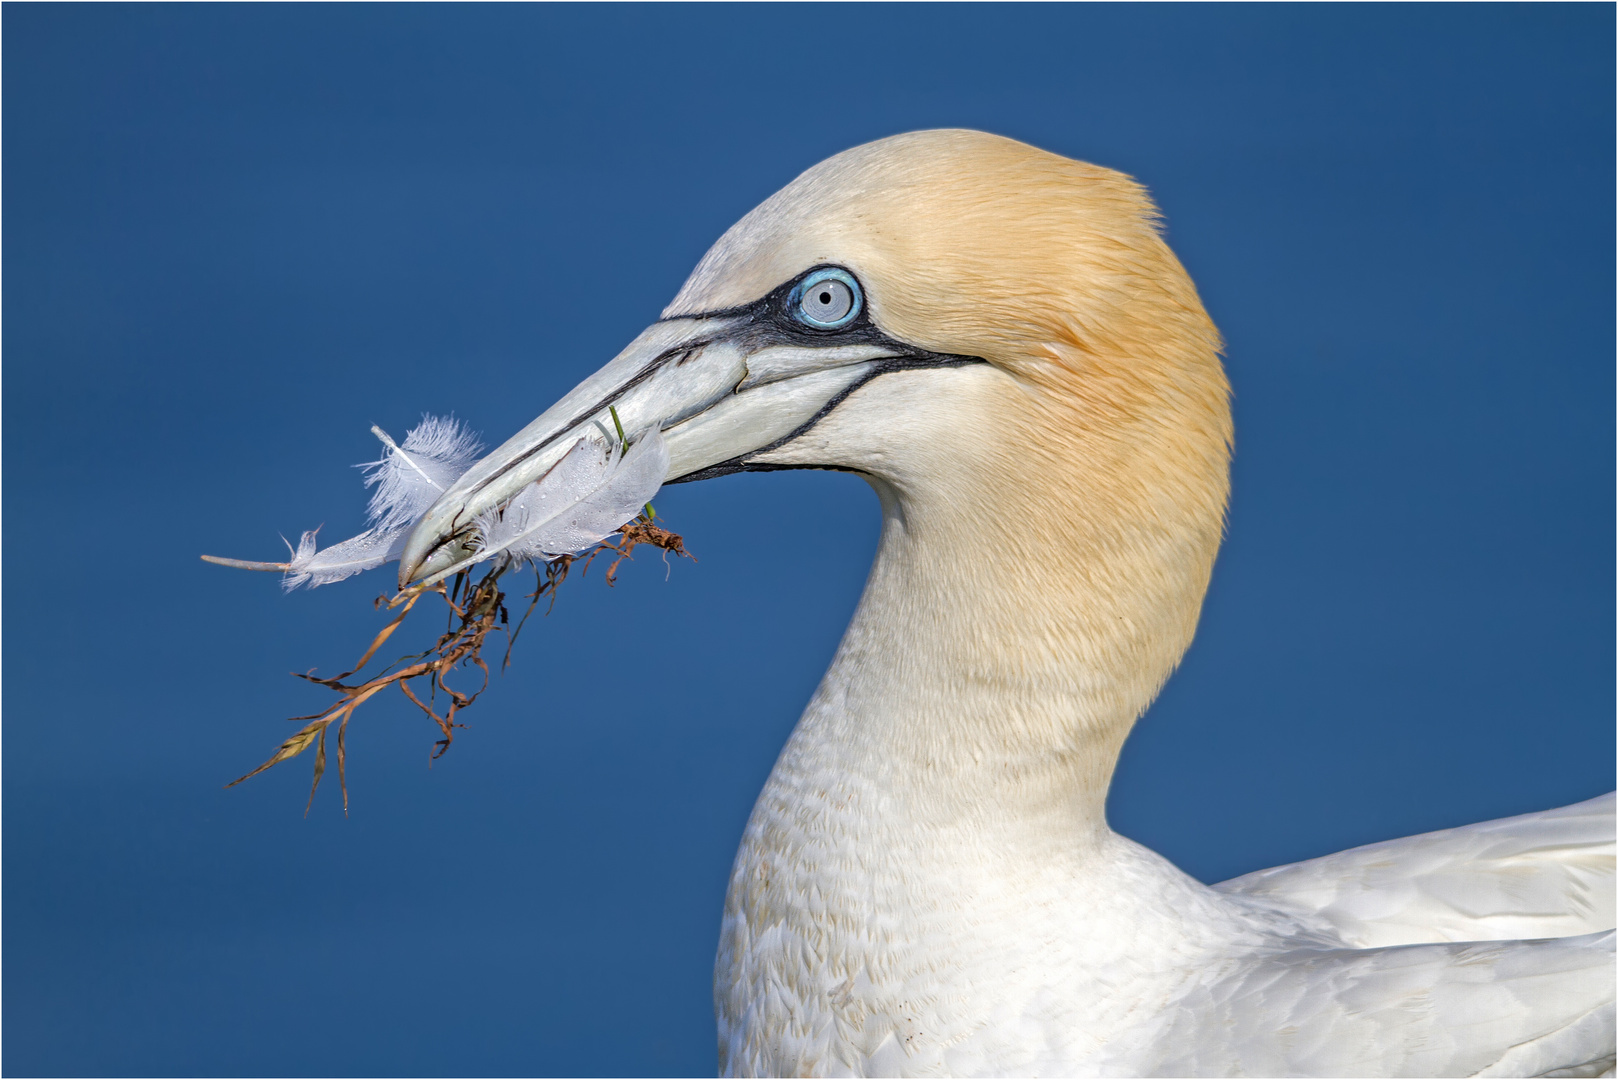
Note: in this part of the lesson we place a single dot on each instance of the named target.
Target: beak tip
(426, 556)
(411, 560)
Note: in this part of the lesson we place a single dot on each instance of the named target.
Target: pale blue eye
(827, 299)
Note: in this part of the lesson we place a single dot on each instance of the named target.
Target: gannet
(1000, 342)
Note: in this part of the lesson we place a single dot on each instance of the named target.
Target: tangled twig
(477, 608)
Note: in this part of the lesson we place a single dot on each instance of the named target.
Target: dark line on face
(679, 353)
(739, 463)
(770, 317)
(766, 321)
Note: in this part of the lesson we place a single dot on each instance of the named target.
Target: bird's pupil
(827, 304)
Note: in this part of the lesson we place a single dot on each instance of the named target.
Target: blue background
(237, 236)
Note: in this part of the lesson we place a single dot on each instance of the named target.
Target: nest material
(477, 608)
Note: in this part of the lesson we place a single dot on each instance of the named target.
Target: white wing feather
(1541, 875)
(1515, 1008)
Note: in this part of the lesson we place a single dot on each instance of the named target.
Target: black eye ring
(827, 299)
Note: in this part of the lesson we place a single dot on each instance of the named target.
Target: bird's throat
(976, 681)
(963, 738)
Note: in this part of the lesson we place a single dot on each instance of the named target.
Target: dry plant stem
(555, 573)
(476, 609)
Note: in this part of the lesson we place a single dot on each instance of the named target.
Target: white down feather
(595, 488)
(589, 493)
(407, 480)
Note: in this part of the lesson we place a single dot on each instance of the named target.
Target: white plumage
(1543, 875)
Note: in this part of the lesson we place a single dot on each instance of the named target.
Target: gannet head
(988, 331)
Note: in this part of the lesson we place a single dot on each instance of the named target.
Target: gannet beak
(722, 388)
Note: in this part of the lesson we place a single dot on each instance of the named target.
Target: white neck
(957, 754)
(1023, 609)
(952, 707)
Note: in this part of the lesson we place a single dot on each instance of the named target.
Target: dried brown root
(637, 532)
(476, 610)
